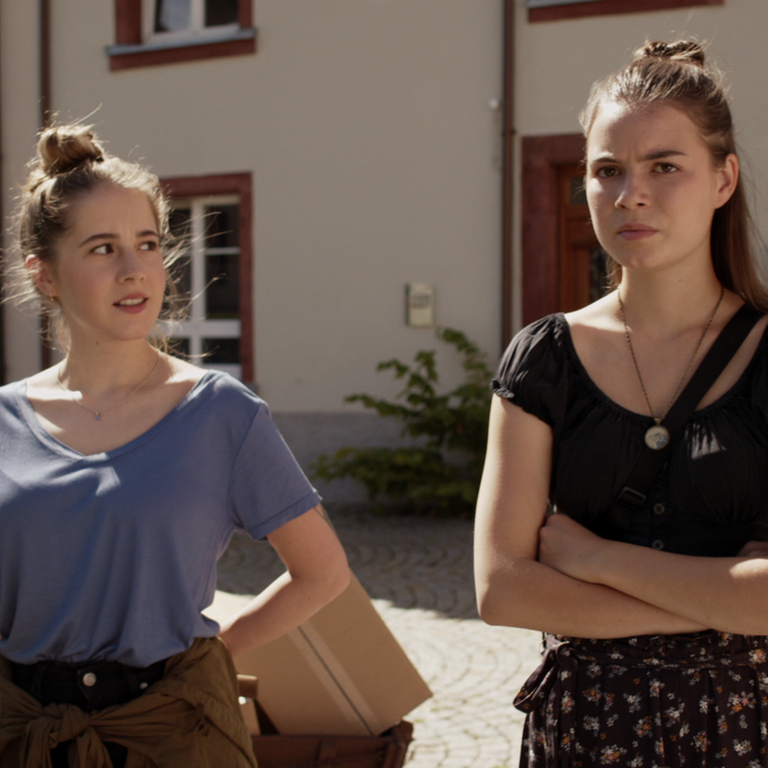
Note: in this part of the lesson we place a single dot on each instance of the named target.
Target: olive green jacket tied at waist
(188, 719)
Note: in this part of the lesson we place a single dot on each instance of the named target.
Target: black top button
(659, 509)
(658, 544)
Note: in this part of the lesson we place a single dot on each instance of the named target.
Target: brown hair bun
(61, 149)
(681, 50)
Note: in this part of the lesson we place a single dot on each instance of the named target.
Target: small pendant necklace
(98, 414)
(657, 436)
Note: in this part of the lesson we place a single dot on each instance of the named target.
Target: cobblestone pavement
(418, 572)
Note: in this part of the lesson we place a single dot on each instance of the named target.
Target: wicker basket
(385, 751)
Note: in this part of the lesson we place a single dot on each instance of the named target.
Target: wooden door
(581, 260)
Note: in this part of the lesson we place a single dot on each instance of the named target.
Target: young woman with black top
(656, 648)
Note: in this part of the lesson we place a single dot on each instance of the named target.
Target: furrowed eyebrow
(661, 154)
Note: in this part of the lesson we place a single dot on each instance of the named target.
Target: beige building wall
(375, 156)
(558, 61)
(20, 115)
(375, 161)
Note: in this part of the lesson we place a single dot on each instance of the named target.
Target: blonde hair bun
(63, 148)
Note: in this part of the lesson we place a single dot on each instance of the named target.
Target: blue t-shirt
(113, 556)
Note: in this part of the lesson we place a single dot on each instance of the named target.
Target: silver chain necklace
(98, 414)
(657, 436)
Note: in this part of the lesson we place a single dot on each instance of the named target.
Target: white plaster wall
(366, 126)
(558, 61)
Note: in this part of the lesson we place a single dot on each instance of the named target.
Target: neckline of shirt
(562, 322)
(61, 448)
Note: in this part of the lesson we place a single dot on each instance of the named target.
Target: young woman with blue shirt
(123, 473)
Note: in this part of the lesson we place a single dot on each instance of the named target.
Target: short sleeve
(533, 372)
(267, 487)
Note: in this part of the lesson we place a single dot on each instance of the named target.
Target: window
(152, 32)
(209, 272)
(552, 10)
(215, 271)
(190, 19)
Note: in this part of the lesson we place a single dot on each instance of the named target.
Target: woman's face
(652, 187)
(108, 274)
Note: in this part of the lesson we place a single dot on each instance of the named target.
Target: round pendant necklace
(657, 436)
(98, 414)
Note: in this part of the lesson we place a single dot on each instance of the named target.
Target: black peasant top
(711, 497)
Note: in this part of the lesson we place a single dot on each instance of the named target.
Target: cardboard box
(342, 672)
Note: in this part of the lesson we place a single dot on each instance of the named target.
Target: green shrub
(438, 472)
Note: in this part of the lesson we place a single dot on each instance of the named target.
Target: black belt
(90, 686)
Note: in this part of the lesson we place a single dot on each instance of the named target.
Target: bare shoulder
(598, 316)
(181, 373)
(43, 380)
(596, 332)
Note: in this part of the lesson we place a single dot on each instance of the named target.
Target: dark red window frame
(605, 7)
(228, 184)
(128, 32)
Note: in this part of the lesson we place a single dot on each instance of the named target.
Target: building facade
(328, 154)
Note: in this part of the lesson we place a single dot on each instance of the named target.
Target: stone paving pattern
(418, 572)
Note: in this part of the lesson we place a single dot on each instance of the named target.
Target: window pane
(221, 351)
(180, 222)
(222, 299)
(221, 224)
(219, 12)
(172, 15)
(181, 270)
(179, 347)
(181, 275)
(209, 269)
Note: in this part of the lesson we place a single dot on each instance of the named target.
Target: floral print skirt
(698, 700)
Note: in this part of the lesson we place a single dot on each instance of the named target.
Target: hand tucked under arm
(514, 588)
(754, 549)
(316, 573)
(569, 547)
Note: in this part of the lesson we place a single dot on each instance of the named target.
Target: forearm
(317, 572)
(525, 593)
(281, 607)
(514, 586)
(727, 594)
